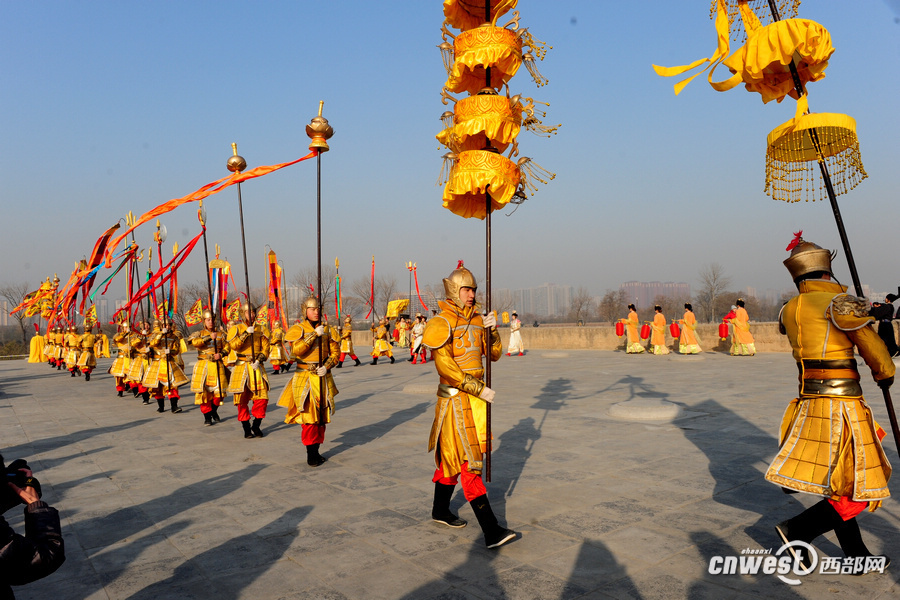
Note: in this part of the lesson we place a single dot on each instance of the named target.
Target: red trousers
(311, 433)
(343, 354)
(258, 411)
(472, 484)
(207, 407)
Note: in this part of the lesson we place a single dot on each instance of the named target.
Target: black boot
(851, 541)
(339, 365)
(59, 367)
(135, 391)
(146, 397)
(87, 376)
(255, 428)
(173, 402)
(392, 360)
(357, 362)
(215, 413)
(313, 458)
(375, 360)
(119, 394)
(207, 419)
(440, 510)
(811, 523)
(161, 404)
(494, 534)
(72, 372)
(247, 432)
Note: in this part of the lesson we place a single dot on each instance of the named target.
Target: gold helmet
(807, 257)
(207, 315)
(310, 302)
(348, 319)
(460, 277)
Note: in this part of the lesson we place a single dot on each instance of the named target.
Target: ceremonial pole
(487, 279)
(832, 198)
(319, 131)
(160, 238)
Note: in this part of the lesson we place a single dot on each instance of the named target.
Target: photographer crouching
(41, 551)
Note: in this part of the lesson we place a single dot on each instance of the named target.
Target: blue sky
(116, 106)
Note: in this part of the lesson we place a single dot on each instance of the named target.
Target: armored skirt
(302, 398)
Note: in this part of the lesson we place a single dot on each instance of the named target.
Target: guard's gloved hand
(885, 383)
(320, 330)
(487, 394)
(490, 320)
(321, 371)
(250, 329)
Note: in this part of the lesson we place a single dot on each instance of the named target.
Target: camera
(15, 475)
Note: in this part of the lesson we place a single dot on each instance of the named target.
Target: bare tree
(581, 305)
(14, 293)
(385, 290)
(713, 284)
(672, 306)
(612, 305)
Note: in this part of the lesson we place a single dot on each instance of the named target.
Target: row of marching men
(685, 331)
(65, 348)
(149, 364)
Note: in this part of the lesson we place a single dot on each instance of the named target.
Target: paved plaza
(157, 506)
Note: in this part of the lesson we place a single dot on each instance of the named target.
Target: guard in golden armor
(73, 350)
(248, 376)
(347, 343)
(140, 360)
(302, 396)
(122, 362)
(382, 345)
(164, 374)
(50, 347)
(209, 380)
(459, 338)
(830, 444)
(60, 347)
(86, 358)
(277, 354)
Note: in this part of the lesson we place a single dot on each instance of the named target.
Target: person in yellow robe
(658, 335)
(382, 345)
(122, 363)
(688, 343)
(164, 374)
(50, 346)
(36, 347)
(741, 339)
(277, 354)
(633, 343)
(101, 346)
(140, 360)
(302, 397)
(60, 347)
(249, 382)
(403, 332)
(209, 381)
(73, 350)
(459, 339)
(87, 361)
(830, 445)
(346, 334)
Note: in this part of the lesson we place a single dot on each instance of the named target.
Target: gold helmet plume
(807, 257)
(460, 277)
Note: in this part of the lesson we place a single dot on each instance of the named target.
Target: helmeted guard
(122, 362)
(87, 360)
(459, 338)
(830, 444)
(382, 345)
(346, 334)
(249, 382)
(302, 395)
(209, 381)
(164, 374)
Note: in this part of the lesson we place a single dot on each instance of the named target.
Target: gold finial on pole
(319, 131)
(236, 162)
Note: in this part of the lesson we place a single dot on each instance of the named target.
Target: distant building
(643, 293)
(547, 300)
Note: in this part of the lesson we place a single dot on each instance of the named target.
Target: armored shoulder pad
(437, 332)
(849, 313)
(294, 333)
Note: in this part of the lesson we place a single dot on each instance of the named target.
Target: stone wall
(765, 335)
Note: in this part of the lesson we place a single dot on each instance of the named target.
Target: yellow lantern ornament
(466, 14)
(792, 158)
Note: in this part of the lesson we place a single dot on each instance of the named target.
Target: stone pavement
(158, 506)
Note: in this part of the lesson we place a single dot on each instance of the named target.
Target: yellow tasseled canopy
(738, 12)
(792, 170)
(477, 119)
(494, 47)
(762, 63)
(466, 14)
(474, 172)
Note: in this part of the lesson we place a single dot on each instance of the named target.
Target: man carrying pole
(830, 444)
(459, 338)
